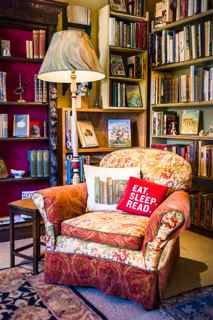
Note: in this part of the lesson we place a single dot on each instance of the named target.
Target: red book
(42, 42)
(36, 44)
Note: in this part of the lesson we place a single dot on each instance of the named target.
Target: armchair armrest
(56, 204)
(166, 223)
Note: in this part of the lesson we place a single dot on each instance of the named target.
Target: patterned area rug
(24, 297)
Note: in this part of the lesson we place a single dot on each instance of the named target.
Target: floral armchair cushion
(113, 228)
(162, 167)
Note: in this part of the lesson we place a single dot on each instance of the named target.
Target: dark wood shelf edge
(27, 103)
(20, 59)
(3, 180)
(202, 230)
(183, 64)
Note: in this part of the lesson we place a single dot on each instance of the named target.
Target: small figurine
(173, 128)
(20, 90)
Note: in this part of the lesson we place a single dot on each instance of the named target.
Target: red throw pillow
(142, 197)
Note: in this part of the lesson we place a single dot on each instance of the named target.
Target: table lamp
(71, 58)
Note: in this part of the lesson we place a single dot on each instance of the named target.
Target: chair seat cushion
(112, 228)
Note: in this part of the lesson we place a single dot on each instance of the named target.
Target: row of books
(167, 11)
(135, 7)
(23, 126)
(131, 67)
(197, 85)
(3, 125)
(201, 209)
(173, 123)
(3, 91)
(35, 49)
(127, 35)
(78, 14)
(193, 42)
(126, 95)
(38, 163)
(199, 156)
(40, 90)
(69, 170)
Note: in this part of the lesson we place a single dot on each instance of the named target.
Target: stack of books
(192, 42)
(201, 209)
(135, 7)
(38, 163)
(40, 90)
(165, 123)
(78, 14)
(167, 11)
(35, 49)
(3, 125)
(3, 91)
(69, 171)
(196, 85)
(205, 167)
(127, 35)
(126, 95)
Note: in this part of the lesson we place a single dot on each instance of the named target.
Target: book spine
(32, 156)
(42, 38)
(40, 168)
(45, 163)
(36, 44)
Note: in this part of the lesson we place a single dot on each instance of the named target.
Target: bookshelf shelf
(124, 79)
(27, 103)
(203, 178)
(184, 104)
(77, 25)
(24, 139)
(19, 59)
(184, 21)
(184, 137)
(125, 50)
(95, 150)
(24, 179)
(184, 64)
(111, 110)
(127, 17)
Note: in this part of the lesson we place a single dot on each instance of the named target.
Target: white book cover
(181, 45)
(211, 83)
(206, 85)
(193, 41)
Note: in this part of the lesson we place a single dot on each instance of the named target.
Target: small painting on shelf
(118, 5)
(133, 96)
(87, 134)
(190, 120)
(21, 125)
(117, 65)
(119, 133)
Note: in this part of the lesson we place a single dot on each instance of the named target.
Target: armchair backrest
(159, 166)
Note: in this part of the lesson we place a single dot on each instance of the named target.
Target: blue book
(21, 126)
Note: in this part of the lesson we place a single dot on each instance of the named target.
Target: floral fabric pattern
(116, 229)
(98, 250)
(111, 277)
(163, 167)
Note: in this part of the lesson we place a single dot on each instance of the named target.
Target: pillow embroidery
(142, 197)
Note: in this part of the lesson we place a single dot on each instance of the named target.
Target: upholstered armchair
(125, 255)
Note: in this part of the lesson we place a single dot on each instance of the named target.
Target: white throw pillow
(106, 185)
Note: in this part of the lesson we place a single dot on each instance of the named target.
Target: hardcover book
(190, 120)
(119, 133)
(133, 96)
(117, 65)
(87, 134)
(21, 125)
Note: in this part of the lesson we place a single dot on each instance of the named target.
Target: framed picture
(190, 120)
(118, 5)
(119, 133)
(133, 96)
(87, 134)
(21, 125)
(117, 65)
(35, 128)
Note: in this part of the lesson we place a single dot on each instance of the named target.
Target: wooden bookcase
(99, 115)
(137, 115)
(17, 20)
(202, 184)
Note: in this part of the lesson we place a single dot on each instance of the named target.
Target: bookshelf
(110, 85)
(176, 54)
(18, 20)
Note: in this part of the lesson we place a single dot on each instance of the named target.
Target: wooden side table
(28, 208)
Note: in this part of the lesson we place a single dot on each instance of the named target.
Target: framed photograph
(21, 125)
(133, 96)
(117, 65)
(119, 133)
(190, 120)
(87, 134)
(118, 5)
(35, 128)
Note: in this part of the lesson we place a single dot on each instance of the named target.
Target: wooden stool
(28, 208)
